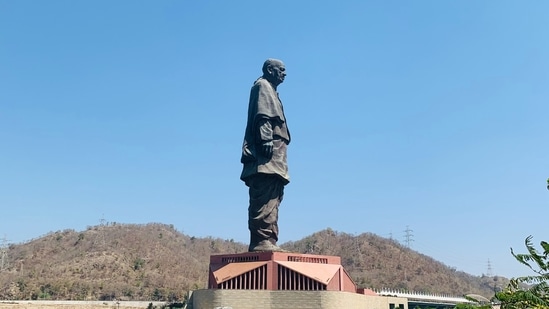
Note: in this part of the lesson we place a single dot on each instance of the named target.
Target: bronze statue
(265, 169)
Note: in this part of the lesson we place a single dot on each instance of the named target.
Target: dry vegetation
(156, 262)
(83, 305)
(377, 262)
(138, 262)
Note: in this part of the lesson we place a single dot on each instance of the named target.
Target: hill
(156, 262)
(377, 262)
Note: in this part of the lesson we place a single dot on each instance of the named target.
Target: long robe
(265, 105)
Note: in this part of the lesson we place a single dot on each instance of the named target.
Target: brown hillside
(156, 262)
(377, 262)
(123, 261)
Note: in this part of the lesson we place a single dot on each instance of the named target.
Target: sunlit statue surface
(265, 169)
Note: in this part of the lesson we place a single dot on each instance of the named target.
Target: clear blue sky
(431, 115)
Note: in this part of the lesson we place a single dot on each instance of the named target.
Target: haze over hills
(156, 262)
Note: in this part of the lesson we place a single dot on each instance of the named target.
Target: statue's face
(278, 73)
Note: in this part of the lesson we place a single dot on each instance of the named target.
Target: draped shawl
(265, 104)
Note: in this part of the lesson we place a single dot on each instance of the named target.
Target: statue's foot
(265, 246)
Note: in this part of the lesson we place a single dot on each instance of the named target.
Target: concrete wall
(263, 299)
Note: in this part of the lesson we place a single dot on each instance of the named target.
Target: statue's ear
(270, 69)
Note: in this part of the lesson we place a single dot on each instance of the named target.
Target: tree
(529, 291)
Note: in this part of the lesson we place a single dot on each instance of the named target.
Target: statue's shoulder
(262, 82)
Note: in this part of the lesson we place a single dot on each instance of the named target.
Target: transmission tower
(101, 234)
(408, 236)
(489, 269)
(4, 254)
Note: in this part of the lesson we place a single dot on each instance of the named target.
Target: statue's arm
(265, 136)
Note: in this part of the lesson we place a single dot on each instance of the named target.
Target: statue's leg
(266, 193)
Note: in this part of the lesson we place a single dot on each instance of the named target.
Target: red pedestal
(278, 271)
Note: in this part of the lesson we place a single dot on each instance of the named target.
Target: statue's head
(274, 71)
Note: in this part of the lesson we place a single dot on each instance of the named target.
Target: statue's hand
(267, 149)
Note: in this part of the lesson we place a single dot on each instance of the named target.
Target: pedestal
(280, 280)
(278, 271)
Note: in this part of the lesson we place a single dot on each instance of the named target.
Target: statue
(265, 169)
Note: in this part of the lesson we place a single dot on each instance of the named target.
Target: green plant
(528, 291)
(138, 263)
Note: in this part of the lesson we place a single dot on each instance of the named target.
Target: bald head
(274, 71)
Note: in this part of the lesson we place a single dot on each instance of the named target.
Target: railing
(411, 295)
